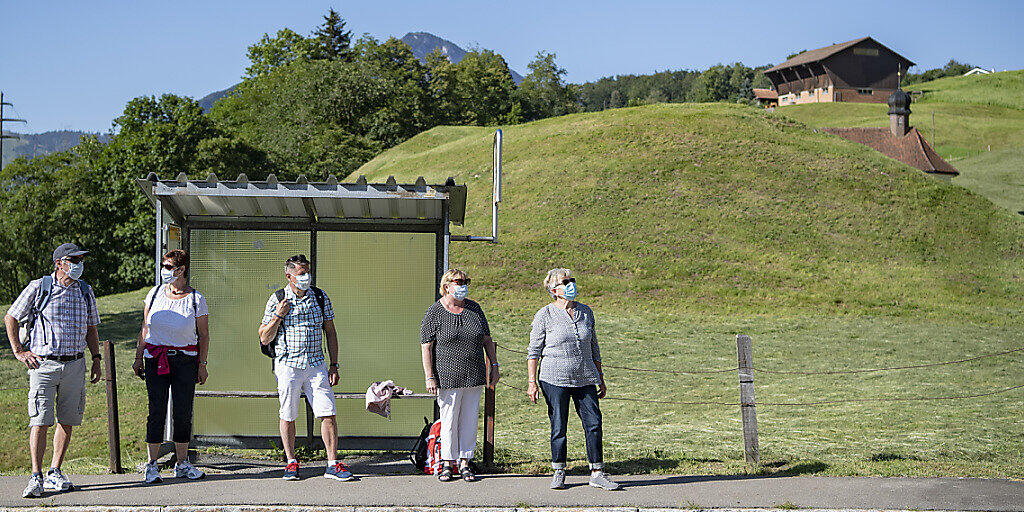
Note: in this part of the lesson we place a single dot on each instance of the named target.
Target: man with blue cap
(59, 312)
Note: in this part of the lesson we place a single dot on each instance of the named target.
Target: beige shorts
(313, 381)
(56, 391)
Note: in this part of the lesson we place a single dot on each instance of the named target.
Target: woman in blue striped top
(562, 340)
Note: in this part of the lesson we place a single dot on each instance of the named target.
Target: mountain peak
(422, 43)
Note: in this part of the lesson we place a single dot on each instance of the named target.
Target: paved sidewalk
(234, 483)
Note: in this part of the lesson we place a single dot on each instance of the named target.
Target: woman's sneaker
(600, 480)
(291, 471)
(152, 472)
(558, 480)
(35, 487)
(57, 481)
(187, 470)
(339, 471)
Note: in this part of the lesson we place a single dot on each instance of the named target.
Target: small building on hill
(900, 141)
(862, 71)
(767, 98)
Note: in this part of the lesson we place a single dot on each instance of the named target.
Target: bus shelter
(378, 250)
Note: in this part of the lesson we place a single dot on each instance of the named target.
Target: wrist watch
(334, 365)
(96, 357)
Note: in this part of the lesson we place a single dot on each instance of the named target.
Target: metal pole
(309, 407)
(158, 239)
(113, 423)
(2, 119)
(496, 193)
(747, 409)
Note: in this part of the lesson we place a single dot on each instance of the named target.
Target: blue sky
(74, 64)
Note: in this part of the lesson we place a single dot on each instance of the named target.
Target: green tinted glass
(381, 284)
(237, 271)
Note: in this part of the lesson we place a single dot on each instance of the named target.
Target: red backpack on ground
(433, 465)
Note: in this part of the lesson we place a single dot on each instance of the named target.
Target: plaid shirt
(61, 326)
(301, 344)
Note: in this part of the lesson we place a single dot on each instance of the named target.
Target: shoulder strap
(86, 294)
(152, 298)
(43, 293)
(319, 294)
(279, 294)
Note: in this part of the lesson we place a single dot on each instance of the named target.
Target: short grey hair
(554, 279)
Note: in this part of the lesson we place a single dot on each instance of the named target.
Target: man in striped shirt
(299, 319)
(61, 314)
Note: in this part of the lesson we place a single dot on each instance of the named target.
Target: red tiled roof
(911, 149)
(766, 94)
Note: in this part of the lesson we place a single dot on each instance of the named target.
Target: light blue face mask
(570, 291)
(459, 292)
(75, 270)
(302, 282)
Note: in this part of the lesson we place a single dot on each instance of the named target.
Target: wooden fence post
(113, 421)
(747, 409)
(488, 425)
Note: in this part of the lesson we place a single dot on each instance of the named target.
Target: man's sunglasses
(462, 282)
(569, 280)
(75, 259)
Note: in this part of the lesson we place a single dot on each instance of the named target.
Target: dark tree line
(952, 68)
(733, 83)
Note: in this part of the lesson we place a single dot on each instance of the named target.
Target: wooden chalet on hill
(862, 71)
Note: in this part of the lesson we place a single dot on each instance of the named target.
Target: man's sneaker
(56, 481)
(339, 471)
(35, 487)
(153, 473)
(558, 480)
(291, 471)
(187, 470)
(600, 480)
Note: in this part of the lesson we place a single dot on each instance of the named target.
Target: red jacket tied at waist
(160, 353)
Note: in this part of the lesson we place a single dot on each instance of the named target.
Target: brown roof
(823, 53)
(766, 94)
(910, 149)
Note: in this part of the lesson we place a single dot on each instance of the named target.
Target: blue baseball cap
(66, 250)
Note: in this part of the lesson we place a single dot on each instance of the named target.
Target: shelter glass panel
(237, 271)
(381, 284)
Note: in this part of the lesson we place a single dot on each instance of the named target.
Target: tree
(544, 92)
(273, 52)
(711, 85)
(333, 42)
(477, 91)
(615, 99)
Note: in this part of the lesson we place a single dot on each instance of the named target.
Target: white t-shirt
(173, 322)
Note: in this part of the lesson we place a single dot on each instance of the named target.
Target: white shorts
(313, 381)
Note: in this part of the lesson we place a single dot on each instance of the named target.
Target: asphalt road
(238, 483)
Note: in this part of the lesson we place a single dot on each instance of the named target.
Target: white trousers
(460, 409)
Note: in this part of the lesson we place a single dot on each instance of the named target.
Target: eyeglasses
(462, 282)
(569, 280)
(168, 266)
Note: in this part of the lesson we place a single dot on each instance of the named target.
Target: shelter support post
(488, 425)
(158, 242)
(113, 423)
(747, 409)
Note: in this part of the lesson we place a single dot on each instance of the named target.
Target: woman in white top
(171, 357)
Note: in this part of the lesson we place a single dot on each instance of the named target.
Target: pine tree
(335, 43)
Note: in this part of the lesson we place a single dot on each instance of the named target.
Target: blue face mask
(75, 270)
(570, 291)
(302, 282)
(459, 292)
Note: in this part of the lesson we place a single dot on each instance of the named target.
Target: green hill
(692, 208)
(974, 122)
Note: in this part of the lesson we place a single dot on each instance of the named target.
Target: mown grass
(997, 175)
(978, 437)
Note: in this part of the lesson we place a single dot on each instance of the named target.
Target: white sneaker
(187, 470)
(153, 473)
(56, 481)
(35, 487)
(601, 481)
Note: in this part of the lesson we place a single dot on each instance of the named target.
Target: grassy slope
(691, 223)
(973, 115)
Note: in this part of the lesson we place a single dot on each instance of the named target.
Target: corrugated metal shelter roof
(268, 202)
(828, 51)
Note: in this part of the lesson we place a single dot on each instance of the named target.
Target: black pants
(180, 384)
(585, 400)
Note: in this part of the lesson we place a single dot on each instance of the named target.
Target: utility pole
(2, 119)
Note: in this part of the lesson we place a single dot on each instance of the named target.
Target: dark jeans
(585, 400)
(180, 384)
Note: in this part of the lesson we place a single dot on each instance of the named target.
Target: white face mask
(75, 270)
(459, 291)
(166, 276)
(302, 282)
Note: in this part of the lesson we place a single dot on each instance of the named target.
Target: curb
(294, 508)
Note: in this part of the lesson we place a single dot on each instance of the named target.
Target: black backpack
(270, 349)
(418, 454)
